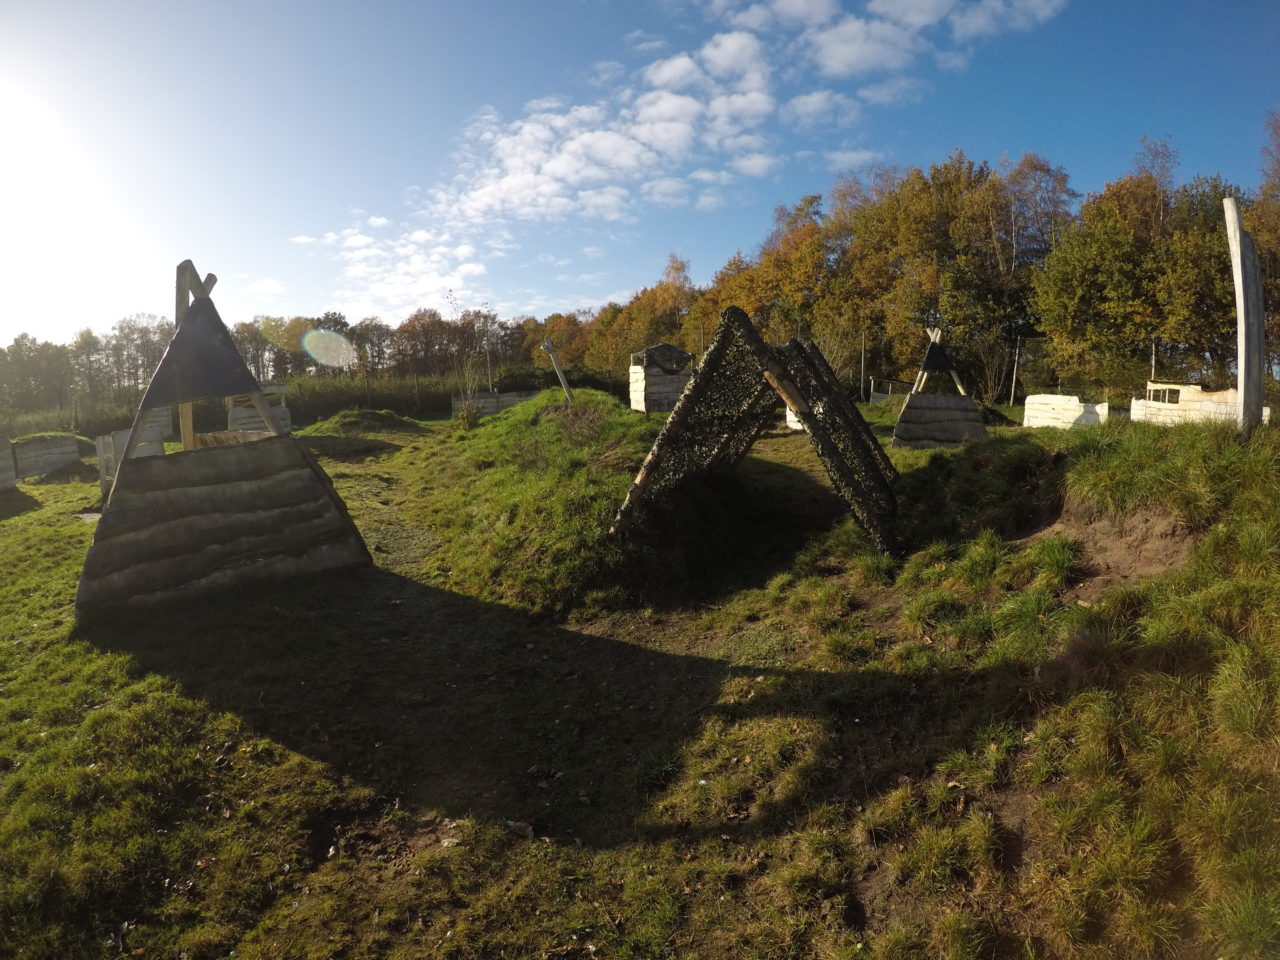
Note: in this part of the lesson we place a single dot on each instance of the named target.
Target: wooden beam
(1250, 343)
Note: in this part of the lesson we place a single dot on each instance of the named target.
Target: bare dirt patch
(1130, 549)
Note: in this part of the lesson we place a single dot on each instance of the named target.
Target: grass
(746, 735)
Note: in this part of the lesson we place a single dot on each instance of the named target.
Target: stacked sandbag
(191, 523)
(929, 421)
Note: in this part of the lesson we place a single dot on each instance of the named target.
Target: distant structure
(733, 395)
(1057, 410)
(929, 421)
(1186, 403)
(242, 415)
(658, 375)
(39, 456)
(231, 507)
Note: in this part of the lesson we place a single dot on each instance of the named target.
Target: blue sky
(543, 155)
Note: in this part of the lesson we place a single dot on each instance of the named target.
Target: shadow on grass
(442, 702)
(1011, 483)
(14, 502)
(725, 532)
(348, 449)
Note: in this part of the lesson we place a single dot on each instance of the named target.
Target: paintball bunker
(218, 514)
(658, 375)
(733, 395)
(932, 420)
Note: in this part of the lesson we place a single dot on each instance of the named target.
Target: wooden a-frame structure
(206, 518)
(733, 395)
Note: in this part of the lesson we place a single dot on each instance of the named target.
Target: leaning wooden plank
(832, 384)
(853, 471)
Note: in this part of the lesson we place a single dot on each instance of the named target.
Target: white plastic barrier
(1057, 410)
(1184, 403)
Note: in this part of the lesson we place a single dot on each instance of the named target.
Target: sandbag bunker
(243, 508)
(932, 420)
(731, 398)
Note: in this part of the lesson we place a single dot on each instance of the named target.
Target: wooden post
(187, 285)
(1013, 387)
(1250, 347)
(550, 347)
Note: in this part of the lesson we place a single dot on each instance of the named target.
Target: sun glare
(62, 223)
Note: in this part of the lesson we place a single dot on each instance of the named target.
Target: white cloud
(355, 240)
(838, 160)
(736, 55)
(665, 191)
(953, 60)
(606, 203)
(302, 240)
(709, 200)
(606, 72)
(593, 252)
(912, 13)
(643, 42)
(755, 164)
(856, 46)
(711, 176)
(675, 73)
(988, 17)
(377, 221)
(821, 108)
(808, 12)
(731, 113)
(892, 92)
(756, 17)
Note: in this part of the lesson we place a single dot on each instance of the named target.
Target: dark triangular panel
(201, 361)
(936, 359)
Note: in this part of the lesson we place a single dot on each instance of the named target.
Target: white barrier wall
(490, 403)
(651, 389)
(243, 415)
(1183, 403)
(111, 447)
(1056, 410)
(37, 456)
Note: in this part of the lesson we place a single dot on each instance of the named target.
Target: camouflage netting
(732, 397)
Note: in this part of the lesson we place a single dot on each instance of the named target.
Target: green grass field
(742, 734)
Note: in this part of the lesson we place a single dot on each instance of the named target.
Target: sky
(534, 156)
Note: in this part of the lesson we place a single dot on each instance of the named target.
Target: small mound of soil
(347, 422)
(1130, 549)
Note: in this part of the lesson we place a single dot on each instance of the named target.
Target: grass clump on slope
(523, 502)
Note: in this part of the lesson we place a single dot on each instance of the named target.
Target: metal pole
(1017, 348)
(862, 374)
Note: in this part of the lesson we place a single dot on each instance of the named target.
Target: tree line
(1098, 292)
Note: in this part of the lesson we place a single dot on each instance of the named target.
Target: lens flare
(331, 349)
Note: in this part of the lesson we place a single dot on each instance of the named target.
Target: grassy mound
(832, 754)
(523, 502)
(346, 423)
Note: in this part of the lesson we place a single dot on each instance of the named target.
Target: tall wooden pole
(1250, 346)
(550, 347)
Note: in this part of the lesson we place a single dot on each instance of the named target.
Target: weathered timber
(1250, 318)
(38, 456)
(190, 523)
